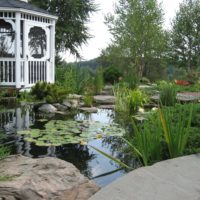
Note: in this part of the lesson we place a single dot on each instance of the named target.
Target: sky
(99, 31)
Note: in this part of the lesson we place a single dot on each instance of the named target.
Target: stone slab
(175, 179)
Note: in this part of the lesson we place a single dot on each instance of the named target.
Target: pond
(91, 163)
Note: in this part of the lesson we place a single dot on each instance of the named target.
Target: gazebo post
(25, 47)
(17, 52)
(52, 49)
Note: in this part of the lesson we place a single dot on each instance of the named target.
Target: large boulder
(43, 179)
(47, 108)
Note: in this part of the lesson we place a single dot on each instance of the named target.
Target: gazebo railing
(7, 72)
(37, 71)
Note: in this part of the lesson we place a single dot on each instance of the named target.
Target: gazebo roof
(17, 4)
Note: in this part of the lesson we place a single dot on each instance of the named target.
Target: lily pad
(58, 132)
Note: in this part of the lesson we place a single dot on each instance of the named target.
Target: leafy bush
(40, 90)
(52, 93)
(112, 75)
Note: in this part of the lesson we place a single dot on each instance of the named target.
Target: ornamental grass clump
(168, 94)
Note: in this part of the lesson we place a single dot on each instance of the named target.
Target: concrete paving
(175, 179)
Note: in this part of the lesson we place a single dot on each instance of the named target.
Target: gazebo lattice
(27, 44)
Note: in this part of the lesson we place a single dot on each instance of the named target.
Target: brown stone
(43, 179)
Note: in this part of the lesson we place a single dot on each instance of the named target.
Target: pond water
(91, 163)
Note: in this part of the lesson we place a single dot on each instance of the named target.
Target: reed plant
(169, 128)
(168, 94)
(176, 129)
(147, 141)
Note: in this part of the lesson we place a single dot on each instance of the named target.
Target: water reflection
(86, 159)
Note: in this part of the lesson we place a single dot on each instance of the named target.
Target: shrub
(40, 90)
(52, 93)
(112, 75)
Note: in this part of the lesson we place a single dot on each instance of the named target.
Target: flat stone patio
(175, 179)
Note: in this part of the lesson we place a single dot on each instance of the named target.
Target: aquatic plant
(176, 129)
(57, 132)
(146, 141)
(127, 100)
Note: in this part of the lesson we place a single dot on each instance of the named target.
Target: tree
(71, 29)
(185, 35)
(137, 33)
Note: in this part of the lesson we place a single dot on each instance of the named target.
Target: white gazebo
(27, 44)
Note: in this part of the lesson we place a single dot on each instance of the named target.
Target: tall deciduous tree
(71, 29)
(137, 32)
(185, 35)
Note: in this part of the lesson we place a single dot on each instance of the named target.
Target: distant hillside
(89, 63)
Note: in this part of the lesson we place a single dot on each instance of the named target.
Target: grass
(168, 94)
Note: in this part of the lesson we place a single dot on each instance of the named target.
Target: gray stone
(75, 96)
(173, 179)
(67, 103)
(111, 107)
(43, 179)
(102, 99)
(47, 108)
(187, 98)
(89, 109)
(74, 103)
(61, 107)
